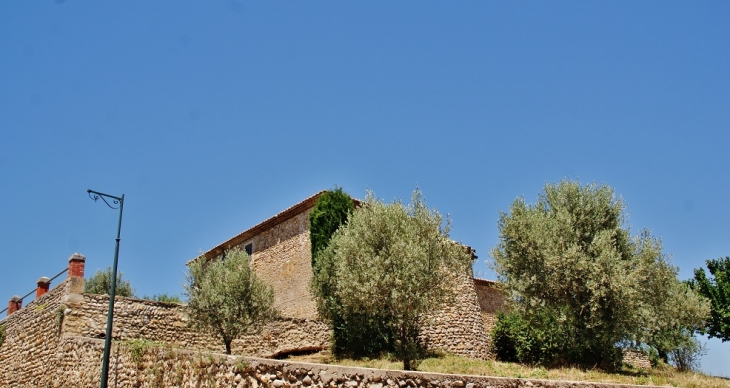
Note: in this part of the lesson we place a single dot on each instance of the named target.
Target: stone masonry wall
(636, 359)
(458, 328)
(491, 301)
(28, 354)
(282, 258)
(167, 322)
(133, 365)
(42, 339)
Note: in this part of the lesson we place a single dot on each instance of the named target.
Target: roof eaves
(262, 226)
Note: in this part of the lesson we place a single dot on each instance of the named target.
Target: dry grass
(661, 376)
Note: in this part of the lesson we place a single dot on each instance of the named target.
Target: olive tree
(577, 275)
(101, 282)
(395, 261)
(684, 313)
(354, 334)
(226, 297)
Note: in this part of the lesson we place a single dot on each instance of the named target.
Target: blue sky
(213, 116)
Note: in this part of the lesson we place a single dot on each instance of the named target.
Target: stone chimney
(44, 284)
(14, 304)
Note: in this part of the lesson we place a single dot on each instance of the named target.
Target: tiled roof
(486, 282)
(281, 217)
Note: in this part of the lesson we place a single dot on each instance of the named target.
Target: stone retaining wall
(29, 351)
(167, 322)
(154, 366)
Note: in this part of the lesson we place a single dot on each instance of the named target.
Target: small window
(249, 249)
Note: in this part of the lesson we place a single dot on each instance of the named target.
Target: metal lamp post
(95, 195)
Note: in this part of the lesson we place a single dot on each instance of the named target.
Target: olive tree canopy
(571, 258)
(226, 297)
(391, 260)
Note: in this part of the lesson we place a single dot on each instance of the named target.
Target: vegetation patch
(60, 314)
(662, 375)
(138, 348)
(164, 298)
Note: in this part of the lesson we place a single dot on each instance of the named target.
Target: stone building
(281, 256)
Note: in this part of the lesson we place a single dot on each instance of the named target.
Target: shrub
(539, 341)
(165, 298)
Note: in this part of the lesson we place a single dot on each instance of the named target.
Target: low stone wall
(154, 366)
(167, 322)
(636, 359)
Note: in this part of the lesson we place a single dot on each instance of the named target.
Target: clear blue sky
(213, 116)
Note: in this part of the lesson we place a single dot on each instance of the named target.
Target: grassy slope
(662, 376)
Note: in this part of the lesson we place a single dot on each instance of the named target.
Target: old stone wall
(157, 321)
(51, 333)
(636, 359)
(491, 301)
(458, 328)
(150, 365)
(29, 351)
(282, 258)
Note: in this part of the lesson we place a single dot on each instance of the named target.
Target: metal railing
(34, 290)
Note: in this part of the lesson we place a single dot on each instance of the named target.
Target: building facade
(281, 256)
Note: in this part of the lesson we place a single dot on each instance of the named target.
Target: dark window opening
(249, 249)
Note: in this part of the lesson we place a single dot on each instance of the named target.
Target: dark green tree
(101, 281)
(717, 290)
(331, 210)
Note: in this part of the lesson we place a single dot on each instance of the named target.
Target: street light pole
(95, 195)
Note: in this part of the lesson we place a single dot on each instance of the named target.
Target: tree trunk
(228, 346)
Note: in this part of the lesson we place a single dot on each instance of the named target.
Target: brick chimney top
(44, 284)
(76, 265)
